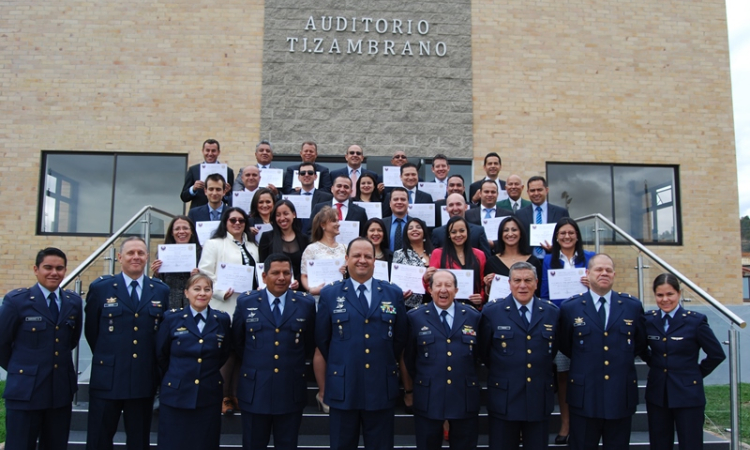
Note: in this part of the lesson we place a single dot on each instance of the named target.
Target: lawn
(717, 410)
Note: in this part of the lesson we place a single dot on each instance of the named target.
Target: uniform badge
(468, 331)
(387, 308)
(156, 304)
(182, 329)
(578, 321)
(675, 338)
(33, 319)
(340, 302)
(112, 300)
(503, 327)
(628, 321)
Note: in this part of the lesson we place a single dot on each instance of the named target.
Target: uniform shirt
(597, 305)
(368, 290)
(671, 316)
(138, 289)
(528, 307)
(58, 293)
(202, 323)
(451, 312)
(271, 298)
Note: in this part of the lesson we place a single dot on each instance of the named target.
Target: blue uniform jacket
(190, 360)
(672, 358)
(443, 367)
(521, 379)
(272, 374)
(602, 382)
(123, 339)
(361, 348)
(36, 352)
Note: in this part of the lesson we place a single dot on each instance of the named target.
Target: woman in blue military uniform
(674, 393)
(192, 345)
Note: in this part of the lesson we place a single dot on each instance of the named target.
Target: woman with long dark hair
(375, 233)
(181, 230)
(512, 246)
(286, 238)
(367, 189)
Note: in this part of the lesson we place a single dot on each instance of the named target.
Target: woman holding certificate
(261, 206)
(415, 252)
(181, 230)
(286, 238)
(512, 247)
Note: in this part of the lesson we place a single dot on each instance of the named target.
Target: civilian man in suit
(274, 333)
(514, 188)
(602, 331)
(457, 207)
(123, 314)
(398, 159)
(354, 157)
(410, 179)
(396, 223)
(455, 186)
(360, 330)
(519, 343)
(215, 186)
(39, 328)
(342, 188)
(309, 154)
(264, 157)
(441, 169)
(441, 354)
(492, 166)
(540, 211)
(307, 176)
(488, 205)
(192, 191)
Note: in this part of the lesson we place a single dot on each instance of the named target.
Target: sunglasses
(399, 156)
(356, 153)
(306, 172)
(235, 221)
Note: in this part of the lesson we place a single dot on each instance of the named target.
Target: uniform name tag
(503, 327)
(177, 333)
(654, 338)
(423, 333)
(109, 305)
(579, 324)
(253, 319)
(33, 319)
(301, 319)
(338, 311)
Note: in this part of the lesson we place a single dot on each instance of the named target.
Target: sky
(738, 18)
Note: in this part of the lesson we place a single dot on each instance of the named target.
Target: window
(642, 200)
(96, 193)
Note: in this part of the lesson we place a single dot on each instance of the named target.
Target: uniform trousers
(256, 430)
(429, 433)
(376, 426)
(506, 434)
(585, 433)
(662, 422)
(181, 428)
(50, 426)
(104, 414)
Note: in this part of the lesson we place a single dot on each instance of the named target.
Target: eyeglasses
(306, 172)
(399, 156)
(356, 153)
(235, 220)
(566, 233)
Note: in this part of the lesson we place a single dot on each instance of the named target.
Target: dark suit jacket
(505, 204)
(475, 215)
(324, 179)
(439, 208)
(554, 213)
(478, 238)
(355, 213)
(194, 174)
(238, 185)
(344, 171)
(477, 185)
(201, 213)
(419, 197)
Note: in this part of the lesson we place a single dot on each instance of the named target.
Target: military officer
(39, 328)
(361, 331)
(441, 353)
(274, 331)
(123, 313)
(519, 343)
(602, 331)
(674, 393)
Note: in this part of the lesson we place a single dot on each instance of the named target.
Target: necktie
(665, 321)
(362, 298)
(524, 318)
(199, 318)
(444, 319)
(602, 312)
(354, 176)
(398, 238)
(487, 213)
(515, 207)
(134, 294)
(410, 197)
(307, 193)
(53, 308)
(538, 251)
(339, 206)
(538, 218)
(276, 311)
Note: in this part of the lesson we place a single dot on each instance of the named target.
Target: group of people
(210, 351)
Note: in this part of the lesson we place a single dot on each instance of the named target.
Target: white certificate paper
(259, 275)
(381, 270)
(491, 227)
(235, 276)
(348, 231)
(206, 229)
(296, 183)
(208, 169)
(565, 283)
(408, 277)
(424, 211)
(502, 195)
(242, 199)
(176, 258)
(500, 288)
(465, 283)
(374, 210)
(271, 176)
(262, 228)
(302, 204)
(540, 233)
(436, 190)
(392, 176)
(321, 271)
(444, 216)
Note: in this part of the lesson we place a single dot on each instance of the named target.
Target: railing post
(111, 260)
(147, 238)
(639, 267)
(596, 234)
(76, 351)
(734, 391)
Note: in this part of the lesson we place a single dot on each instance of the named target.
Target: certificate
(424, 211)
(262, 228)
(499, 288)
(436, 190)
(502, 195)
(408, 277)
(271, 176)
(444, 216)
(465, 283)
(206, 229)
(348, 231)
(177, 258)
(565, 283)
(540, 233)
(381, 270)
(302, 204)
(491, 227)
(392, 176)
(374, 210)
(259, 275)
(296, 183)
(208, 169)
(321, 271)
(235, 276)
(242, 199)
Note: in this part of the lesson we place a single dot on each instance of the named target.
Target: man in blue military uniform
(273, 330)
(123, 313)
(441, 353)
(519, 343)
(602, 331)
(39, 328)
(361, 331)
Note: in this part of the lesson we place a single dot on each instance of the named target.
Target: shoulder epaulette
(102, 278)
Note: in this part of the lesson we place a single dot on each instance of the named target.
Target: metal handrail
(734, 318)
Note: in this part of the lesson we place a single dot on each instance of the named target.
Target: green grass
(717, 410)
(2, 412)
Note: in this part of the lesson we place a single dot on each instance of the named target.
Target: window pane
(645, 203)
(78, 193)
(581, 188)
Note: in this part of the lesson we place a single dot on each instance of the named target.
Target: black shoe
(562, 440)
